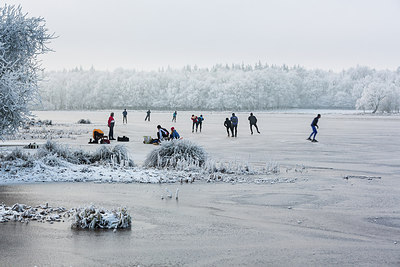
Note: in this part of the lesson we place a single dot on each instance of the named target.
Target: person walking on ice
(314, 126)
(253, 122)
(125, 116)
(148, 115)
(234, 121)
(174, 116)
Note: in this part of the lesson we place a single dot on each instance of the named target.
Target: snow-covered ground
(335, 202)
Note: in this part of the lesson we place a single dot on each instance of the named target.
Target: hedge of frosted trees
(223, 87)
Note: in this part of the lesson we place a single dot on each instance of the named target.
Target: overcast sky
(148, 34)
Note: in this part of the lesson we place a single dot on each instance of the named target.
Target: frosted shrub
(83, 121)
(53, 161)
(176, 154)
(117, 155)
(272, 167)
(17, 154)
(94, 218)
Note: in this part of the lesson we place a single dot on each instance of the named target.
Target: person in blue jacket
(314, 126)
(200, 121)
(174, 134)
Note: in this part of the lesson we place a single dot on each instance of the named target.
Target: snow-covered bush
(98, 218)
(83, 121)
(22, 39)
(87, 217)
(17, 154)
(176, 153)
(116, 155)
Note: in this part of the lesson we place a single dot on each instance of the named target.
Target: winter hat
(172, 128)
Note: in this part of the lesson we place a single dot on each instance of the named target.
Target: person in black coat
(228, 126)
(253, 122)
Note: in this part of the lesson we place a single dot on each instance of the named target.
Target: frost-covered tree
(22, 39)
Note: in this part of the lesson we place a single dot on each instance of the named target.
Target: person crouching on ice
(162, 134)
(174, 134)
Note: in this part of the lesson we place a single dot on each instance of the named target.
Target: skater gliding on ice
(148, 115)
(314, 126)
(253, 122)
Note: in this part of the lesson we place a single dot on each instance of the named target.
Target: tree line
(222, 87)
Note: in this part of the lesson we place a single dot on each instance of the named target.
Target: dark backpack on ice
(123, 139)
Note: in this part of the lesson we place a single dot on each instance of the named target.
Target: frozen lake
(322, 219)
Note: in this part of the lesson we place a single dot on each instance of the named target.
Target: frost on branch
(175, 153)
(22, 39)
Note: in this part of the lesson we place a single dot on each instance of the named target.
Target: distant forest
(223, 87)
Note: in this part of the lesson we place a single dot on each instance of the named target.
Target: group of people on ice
(197, 121)
(231, 126)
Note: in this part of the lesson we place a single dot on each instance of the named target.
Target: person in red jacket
(111, 123)
(195, 122)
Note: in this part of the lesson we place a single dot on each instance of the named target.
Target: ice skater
(235, 122)
(174, 116)
(125, 116)
(253, 122)
(194, 119)
(111, 123)
(200, 122)
(228, 126)
(148, 115)
(314, 126)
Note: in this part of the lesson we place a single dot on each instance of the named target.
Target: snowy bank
(176, 161)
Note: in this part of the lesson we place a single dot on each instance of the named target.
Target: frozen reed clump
(91, 217)
(83, 121)
(64, 152)
(116, 155)
(16, 158)
(17, 154)
(176, 154)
